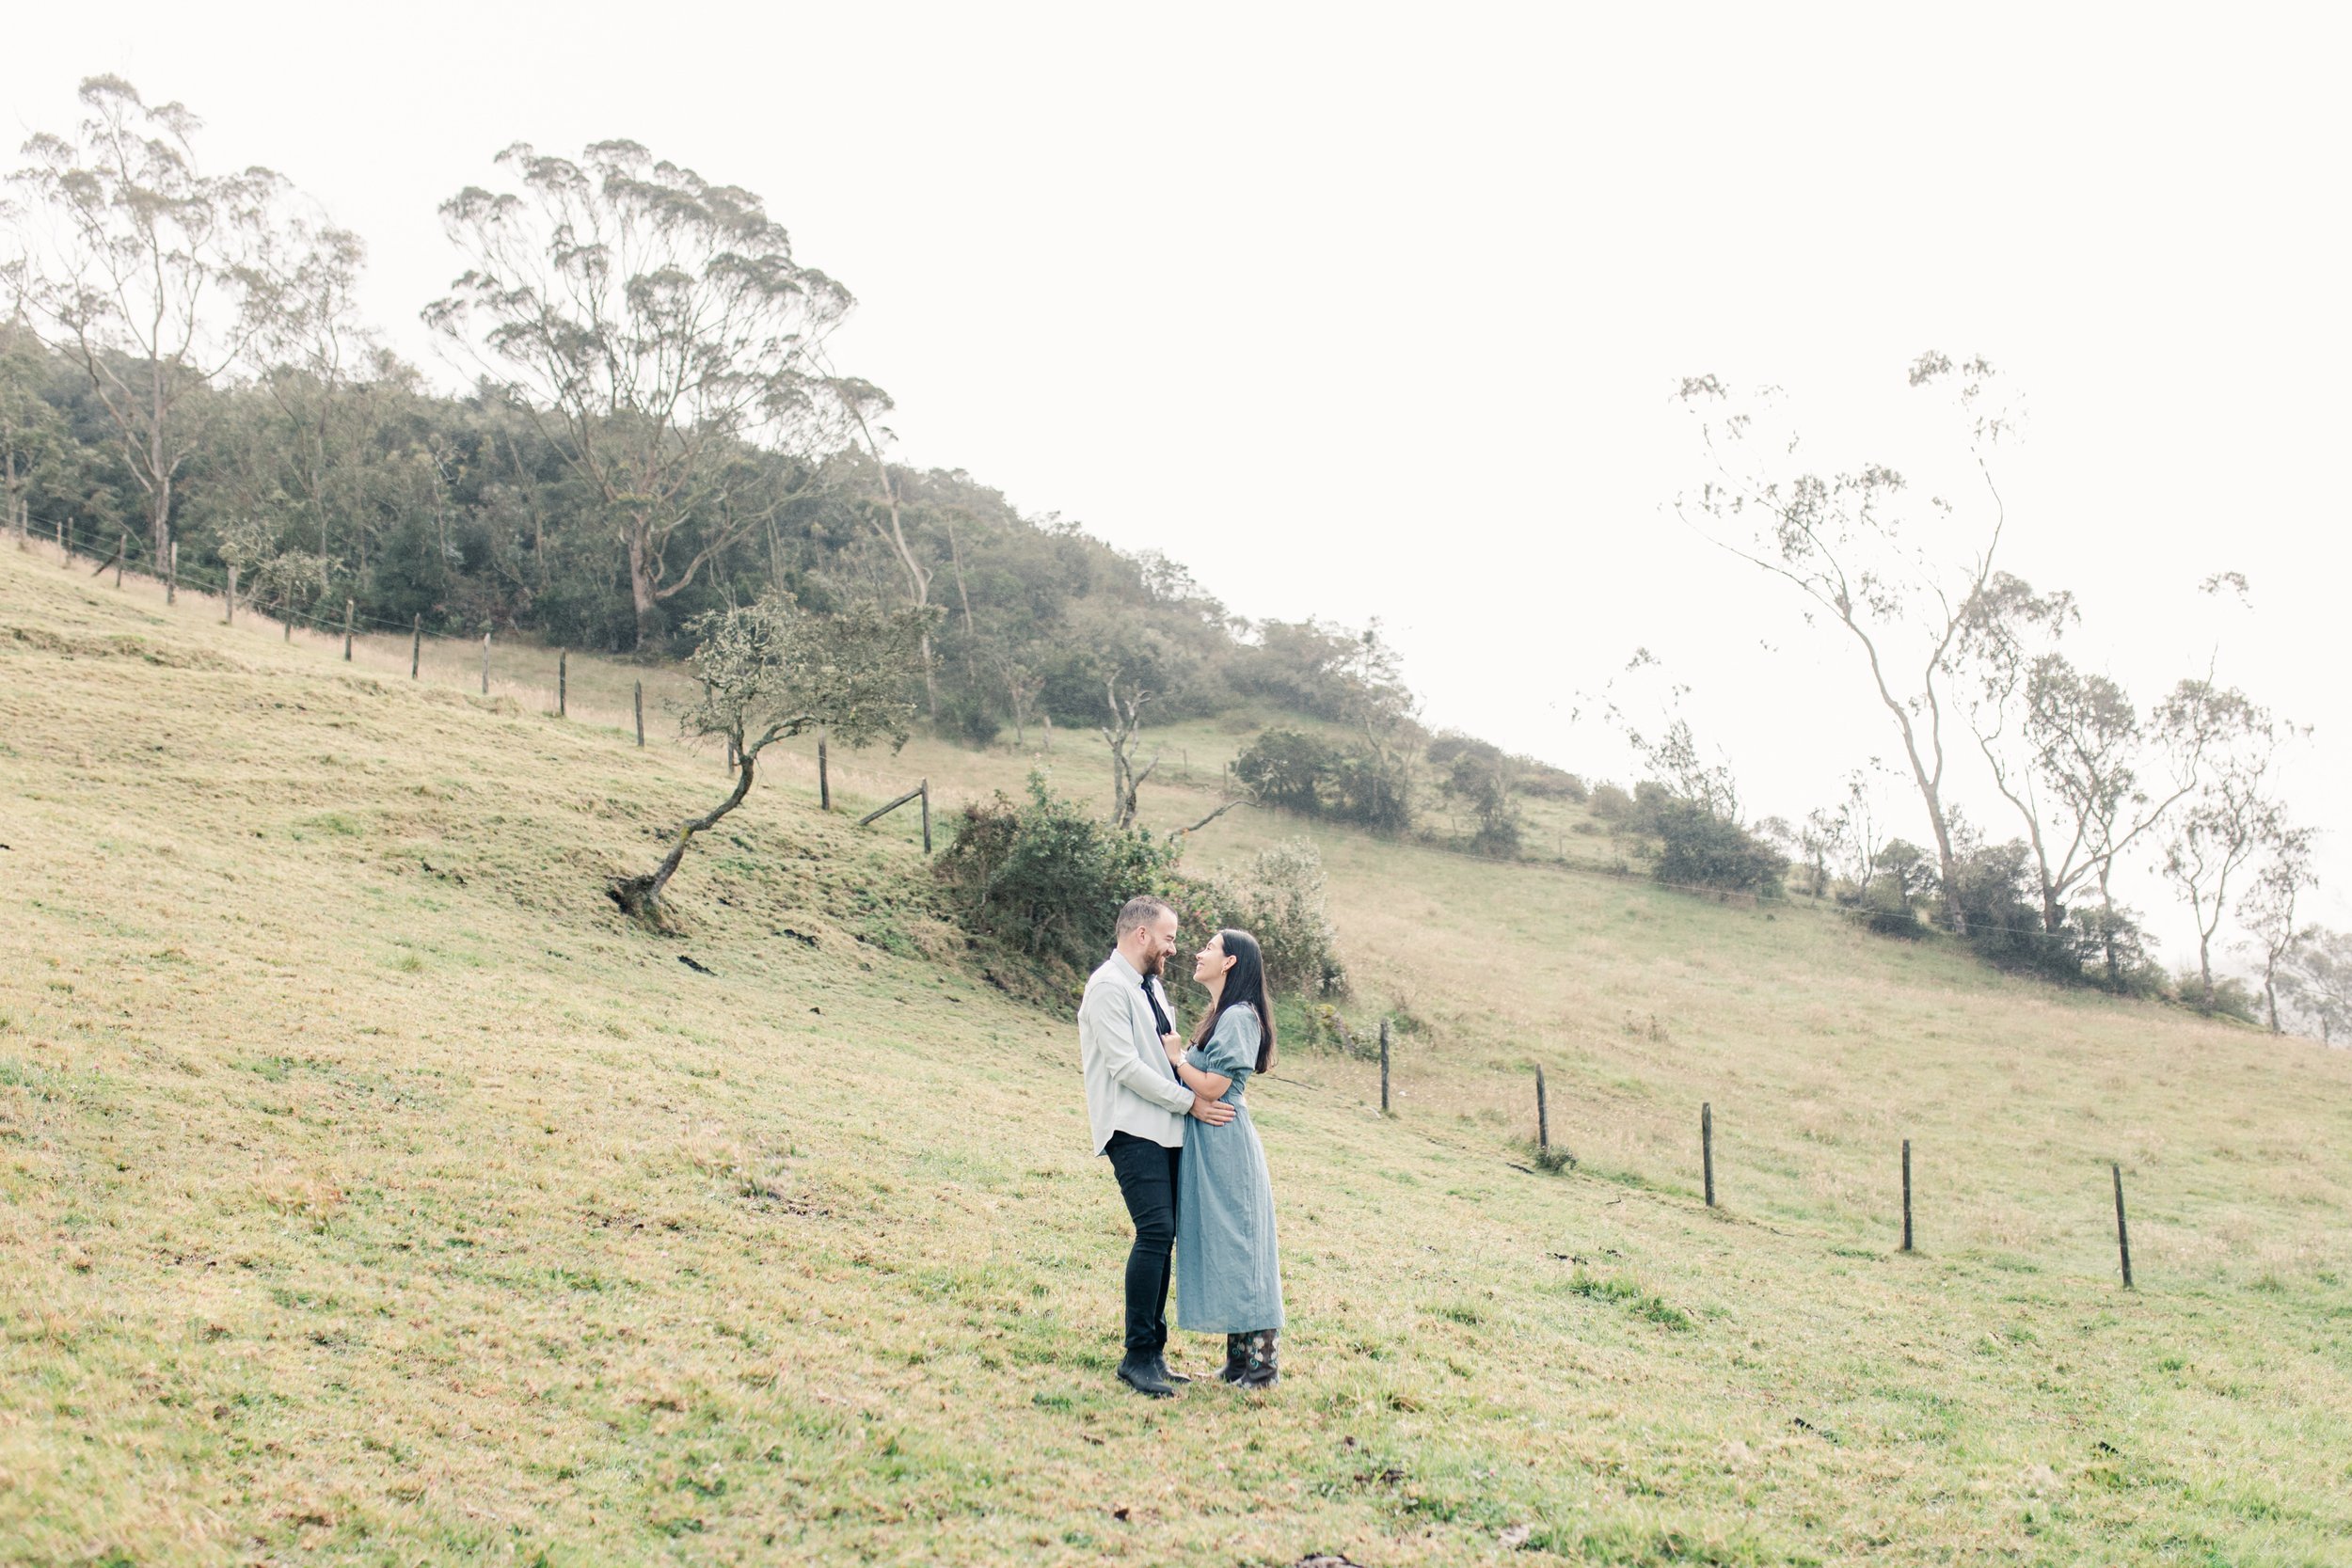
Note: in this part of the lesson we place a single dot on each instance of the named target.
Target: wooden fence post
(171, 572)
(416, 645)
(1384, 1067)
(2122, 1232)
(347, 609)
(232, 598)
(1906, 1194)
(926, 816)
(563, 681)
(1706, 1148)
(641, 714)
(824, 784)
(122, 552)
(485, 661)
(1543, 1115)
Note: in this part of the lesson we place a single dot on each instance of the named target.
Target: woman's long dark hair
(1244, 982)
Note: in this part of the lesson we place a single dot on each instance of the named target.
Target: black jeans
(1147, 1179)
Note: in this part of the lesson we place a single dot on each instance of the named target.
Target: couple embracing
(1170, 1116)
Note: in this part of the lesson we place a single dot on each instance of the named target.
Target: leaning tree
(770, 671)
(1893, 571)
(651, 322)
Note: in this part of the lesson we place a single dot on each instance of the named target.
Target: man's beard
(1154, 965)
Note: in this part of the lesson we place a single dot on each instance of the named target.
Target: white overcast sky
(1362, 310)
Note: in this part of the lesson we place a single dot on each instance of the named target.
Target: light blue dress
(1229, 1276)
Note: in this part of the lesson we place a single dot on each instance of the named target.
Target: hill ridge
(371, 1189)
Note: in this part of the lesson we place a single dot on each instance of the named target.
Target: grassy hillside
(369, 1191)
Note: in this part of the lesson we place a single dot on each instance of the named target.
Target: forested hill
(470, 513)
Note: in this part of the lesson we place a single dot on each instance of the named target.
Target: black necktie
(1160, 1022)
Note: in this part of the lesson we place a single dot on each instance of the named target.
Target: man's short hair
(1137, 912)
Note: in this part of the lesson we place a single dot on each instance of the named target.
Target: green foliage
(1297, 772)
(771, 670)
(1697, 848)
(1289, 769)
(1281, 901)
(1485, 779)
(1045, 878)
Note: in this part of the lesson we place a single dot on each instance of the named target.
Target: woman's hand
(1174, 1046)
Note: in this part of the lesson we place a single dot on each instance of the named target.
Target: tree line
(656, 442)
(655, 430)
(1971, 667)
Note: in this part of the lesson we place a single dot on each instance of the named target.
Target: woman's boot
(1260, 1360)
(1236, 1358)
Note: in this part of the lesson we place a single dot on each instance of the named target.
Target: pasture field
(370, 1192)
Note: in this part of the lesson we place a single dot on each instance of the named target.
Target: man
(1137, 1108)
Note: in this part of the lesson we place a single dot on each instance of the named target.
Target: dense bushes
(1698, 848)
(1279, 899)
(1304, 773)
(1045, 878)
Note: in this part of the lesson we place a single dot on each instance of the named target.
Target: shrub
(1372, 794)
(1554, 783)
(1483, 778)
(2231, 997)
(1314, 777)
(1289, 769)
(2112, 951)
(1999, 892)
(1279, 900)
(1045, 878)
(966, 718)
(1609, 803)
(1698, 848)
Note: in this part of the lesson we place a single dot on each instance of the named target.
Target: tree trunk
(2107, 932)
(641, 590)
(1947, 867)
(640, 898)
(159, 493)
(955, 555)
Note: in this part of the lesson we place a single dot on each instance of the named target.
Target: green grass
(370, 1190)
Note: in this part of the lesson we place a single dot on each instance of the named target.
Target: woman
(1229, 1278)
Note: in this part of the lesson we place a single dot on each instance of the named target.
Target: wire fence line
(206, 583)
(328, 621)
(860, 779)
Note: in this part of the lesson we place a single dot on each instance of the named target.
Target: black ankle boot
(1142, 1375)
(1260, 1360)
(1236, 1358)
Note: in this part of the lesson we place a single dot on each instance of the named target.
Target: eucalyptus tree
(328, 386)
(2234, 817)
(2008, 634)
(2316, 977)
(862, 405)
(652, 321)
(770, 671)
(153, 276)
(2268, 909)
(1849, 542)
